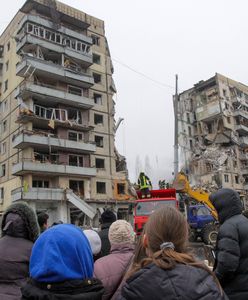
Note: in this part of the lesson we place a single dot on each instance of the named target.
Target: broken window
(100, 187)
(210, 127)
(76, 160)
(75, 136)
(98, 99)
(100, 163)
(6, 85)
(237, 179)
(77, 186)
(191, 144)
(4, 126)
(40, 184)
(226, 178)
(95, 40)
(97, 78)
(30, 28)
(74, 90)
(75, 115)
(121, 188)
(3, 170)
(189, 130)
(98, 119)
(96, 59)
(1, 193)
(99, 141)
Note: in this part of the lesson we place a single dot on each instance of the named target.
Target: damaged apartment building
(213, 134)
(57, 111)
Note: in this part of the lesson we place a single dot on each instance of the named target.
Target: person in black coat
(231, 266)
(107, 218)
(169, 272)
(19, 231)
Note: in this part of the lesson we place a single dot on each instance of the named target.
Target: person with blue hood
(61, 267)
(231, 265)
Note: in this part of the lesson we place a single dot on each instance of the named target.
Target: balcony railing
(30, 65)
(53, 94)
(27, 166)
(32, 139)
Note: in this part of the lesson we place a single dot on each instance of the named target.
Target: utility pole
(175, 105)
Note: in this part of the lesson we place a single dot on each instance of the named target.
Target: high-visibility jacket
(144, 182)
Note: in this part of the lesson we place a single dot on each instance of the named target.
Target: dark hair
(42, 218)
(167, 225)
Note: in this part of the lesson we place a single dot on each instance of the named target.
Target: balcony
(48, 24)
(84, 58)
(242, 129)
(50, 94)
(243, 141)
(208, 111)
(30, 139)
(46, 117)
(36, 167)
(32, 65)
(43, 194)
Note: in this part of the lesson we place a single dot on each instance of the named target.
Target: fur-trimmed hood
(28, 216)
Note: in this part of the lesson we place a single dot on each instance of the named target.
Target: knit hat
(108, 216)
(95, 241)
(121, 232)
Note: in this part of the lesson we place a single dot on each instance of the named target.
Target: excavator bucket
(180, 182)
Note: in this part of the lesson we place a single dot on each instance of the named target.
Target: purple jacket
(110, 269)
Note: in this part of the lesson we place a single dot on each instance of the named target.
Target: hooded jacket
(61, 266)
(231, 266)
(19, 229)
(182, 282)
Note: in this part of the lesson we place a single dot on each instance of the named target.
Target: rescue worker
(145, 185)
(43, 221)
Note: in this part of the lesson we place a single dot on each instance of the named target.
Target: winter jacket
(231, 266)
(14, 263)
(110, 269)
(182, 282)
(19, 230)
(104, 238)
(89, 289)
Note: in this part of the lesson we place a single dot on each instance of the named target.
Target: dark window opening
(5, 85)
(75, 160)
(3, 170)
(75, 115)
(77, 186)
(95, 40)
(100, 163)
(96, 59)
(40, 184)
(74, 90)
(98, 99)
(8, 46)
(99, 141)
(98, 119)
(226, 178)
(237, 179)
(97, 78)
(121, 188)
(101, 187)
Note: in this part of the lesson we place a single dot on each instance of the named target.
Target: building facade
(213, 134)
(57, 111)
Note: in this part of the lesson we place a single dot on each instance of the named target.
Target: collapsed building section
(213, 134)
(57, 115)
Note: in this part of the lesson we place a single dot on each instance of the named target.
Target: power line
(143, 75)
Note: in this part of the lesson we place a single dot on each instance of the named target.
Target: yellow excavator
(202, 224)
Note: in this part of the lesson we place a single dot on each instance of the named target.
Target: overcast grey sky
(160, 38)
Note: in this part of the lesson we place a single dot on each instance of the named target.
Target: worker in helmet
(145, 185)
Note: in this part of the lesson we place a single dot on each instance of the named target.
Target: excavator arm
(181, 184)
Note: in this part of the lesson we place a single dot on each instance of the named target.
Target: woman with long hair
(168, 271)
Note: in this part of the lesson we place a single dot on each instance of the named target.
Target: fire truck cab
(144, 207)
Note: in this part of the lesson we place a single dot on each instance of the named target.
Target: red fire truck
(146, 206)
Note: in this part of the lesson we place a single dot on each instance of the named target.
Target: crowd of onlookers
(67, 262)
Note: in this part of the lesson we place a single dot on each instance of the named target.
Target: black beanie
(108, 216)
